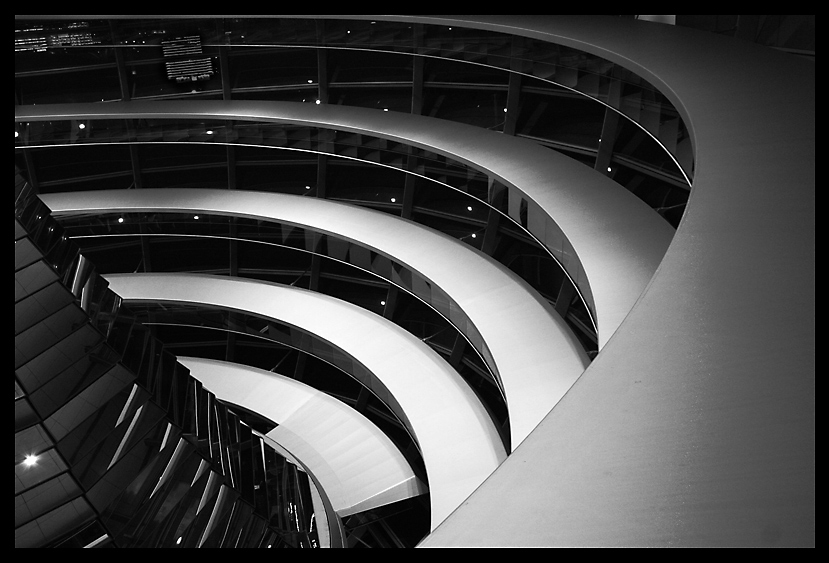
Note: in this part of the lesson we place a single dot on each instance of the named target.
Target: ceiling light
(310, 81)
(81, 126)
(469, 208)
(307, 187)
(608, 168)
(382, 302)
(474, 235)
(385, 109)
(30, 460)
(393, 200)
(196, 217)
(318, 102)
(209, 131)
(120, 219)
(16, 134)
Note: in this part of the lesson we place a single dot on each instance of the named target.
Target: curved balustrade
(607, 240)
(534, 355)
(300, 38)
(479, 196)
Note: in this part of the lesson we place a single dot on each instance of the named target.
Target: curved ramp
(458, 441)
(356, 464)
(536, 355)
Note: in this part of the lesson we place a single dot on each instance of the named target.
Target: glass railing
(299, 238)
(481, 193)
(244, 41)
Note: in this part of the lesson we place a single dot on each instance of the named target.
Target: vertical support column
(391, 301)
(314, 282)
(417, 70)
(409, 185)
(322, 175)
(322, 64)
(121, 65)
(513, 93)
(224, 70)
(610, 126)
(137, 179)
(230, 151)
(493, 221)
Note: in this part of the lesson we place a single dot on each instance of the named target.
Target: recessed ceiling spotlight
(209, 131)
(16, 134)
(30, 460)
(474, 235)
(318, 102)
(120, 219)
(469, 208)
(608, 168)
(393, 200)
(382, 302)
(82, 126)
(196, 217)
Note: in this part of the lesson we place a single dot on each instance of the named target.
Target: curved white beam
(612, 242)
(536, 354)
(459, 443)
(357, 465)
